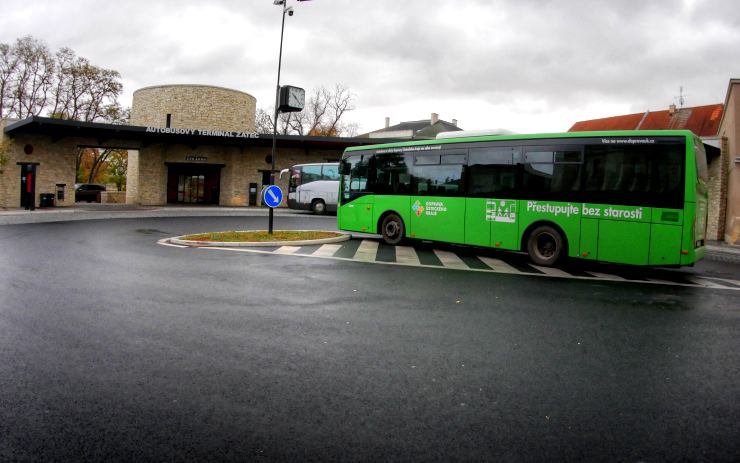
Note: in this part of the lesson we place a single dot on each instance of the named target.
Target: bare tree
(8, 66)
(33, 77)
(33, 81)
(322, 116)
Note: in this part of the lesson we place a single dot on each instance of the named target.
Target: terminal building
(187, 144)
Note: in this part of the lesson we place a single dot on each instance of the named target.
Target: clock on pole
(292, 99)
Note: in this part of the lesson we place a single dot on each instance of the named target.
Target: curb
(244, 244)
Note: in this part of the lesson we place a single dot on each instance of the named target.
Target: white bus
(313, 187)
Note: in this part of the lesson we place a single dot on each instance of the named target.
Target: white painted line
(450, 259)
(705, 283)
(662, 282)
(732, 282)
(367, 251)
(287, 249)
(498, 265)
(327, 250)
(606, 276)
(165, 242)
(406, 255)
(553, 272)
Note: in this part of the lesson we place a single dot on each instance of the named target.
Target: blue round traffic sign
(272, 196)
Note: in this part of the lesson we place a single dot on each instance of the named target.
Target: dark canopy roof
(135, 137)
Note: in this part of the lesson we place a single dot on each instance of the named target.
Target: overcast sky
(523, 65)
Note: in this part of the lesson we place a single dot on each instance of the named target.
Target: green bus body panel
(665, 244)
(624, 242)
(437, 218)
(477, 229)
(589, 248)
(357, 215)
(635, 235)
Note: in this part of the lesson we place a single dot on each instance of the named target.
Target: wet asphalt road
(115, 348)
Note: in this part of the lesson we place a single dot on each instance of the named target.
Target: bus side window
(330, 173)
(392, 175)
(355, 184)
(491, 172)
(311, 174)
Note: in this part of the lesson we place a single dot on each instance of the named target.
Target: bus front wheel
(545, 246)
(318, 207)
(392, 229)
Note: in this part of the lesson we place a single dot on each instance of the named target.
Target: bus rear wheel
(318, 207)
(392, 229)
(545, 246)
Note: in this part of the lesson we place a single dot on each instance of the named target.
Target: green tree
(117, 167)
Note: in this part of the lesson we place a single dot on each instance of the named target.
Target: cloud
(531, 63)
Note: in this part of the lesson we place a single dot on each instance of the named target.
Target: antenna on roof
(681, 97)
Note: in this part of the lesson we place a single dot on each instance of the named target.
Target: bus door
(356, 210)
(491, 212)
(437, 202)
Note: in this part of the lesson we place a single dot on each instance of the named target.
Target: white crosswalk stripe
(553, 272)
(407, 255)
(367, 251)
(450, 259)
(606, 276)
(498, 265)
(327, 250)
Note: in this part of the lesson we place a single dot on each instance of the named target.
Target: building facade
(729, 133)
(187, 145)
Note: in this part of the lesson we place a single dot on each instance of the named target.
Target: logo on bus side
(429, 208)
(501, 210)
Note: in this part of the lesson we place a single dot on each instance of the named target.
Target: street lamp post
(289, 11)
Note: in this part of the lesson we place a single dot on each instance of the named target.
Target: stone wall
(194, 107)
(56, 165)
(242, 167)
(132, 177)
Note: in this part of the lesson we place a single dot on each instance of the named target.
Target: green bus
(628, 197)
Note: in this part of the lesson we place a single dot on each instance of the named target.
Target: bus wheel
(318, 207)
(392, 229)
(545, 246)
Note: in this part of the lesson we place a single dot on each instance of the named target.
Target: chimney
(435, 118)
(454, 122)
(672, 109)
(387, 122)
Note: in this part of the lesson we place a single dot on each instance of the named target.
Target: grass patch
(259, 236)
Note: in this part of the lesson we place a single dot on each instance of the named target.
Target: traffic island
(248, 238)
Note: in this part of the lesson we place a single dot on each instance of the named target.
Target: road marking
(166, 242)
(705, 283)
(406, 255)
(287, 249)
(327, 250)
(498, 265)
(606, 276)
(450, 260)
(553, 272)
(661, 281)
(367, 251)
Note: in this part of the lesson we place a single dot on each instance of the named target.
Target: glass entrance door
(191, 189)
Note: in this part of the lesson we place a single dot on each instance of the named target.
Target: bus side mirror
(345, 168)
